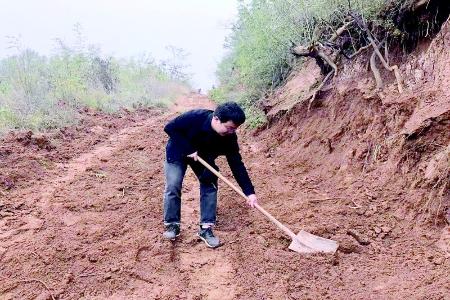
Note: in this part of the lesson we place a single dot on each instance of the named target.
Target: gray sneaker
(207, 235)
(172, 231)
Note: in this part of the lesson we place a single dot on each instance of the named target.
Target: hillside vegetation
(269, 37)
(38, 92)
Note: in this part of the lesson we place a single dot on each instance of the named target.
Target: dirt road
(90, 228)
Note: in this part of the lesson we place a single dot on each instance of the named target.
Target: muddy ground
(81, 207)
(84, 221)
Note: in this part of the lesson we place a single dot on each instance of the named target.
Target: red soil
(80, 209)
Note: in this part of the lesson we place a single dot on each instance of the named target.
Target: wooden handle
(257, 206)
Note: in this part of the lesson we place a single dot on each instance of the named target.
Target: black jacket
(192, 131)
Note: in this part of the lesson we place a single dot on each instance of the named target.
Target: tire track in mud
(80, 164)
(41, 196)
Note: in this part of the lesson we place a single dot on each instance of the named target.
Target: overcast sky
(125, 28)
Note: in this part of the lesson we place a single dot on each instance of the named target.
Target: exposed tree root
(376, 72)
(329, 62)
(340, 31)
(393, 68)
(319, 88)
(376, 49)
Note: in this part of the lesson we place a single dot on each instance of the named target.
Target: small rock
(58, 293)
(373, 208)
(93, 258)
(18, 205)
(430, 280)
(438, 260)
(360, 238)
(103, 159)
(386, 229)
(371, 195)
(360, 211)
(68, 278)
(115, 269)
(377, 230)
(368, 213)
(107, 276)
(418, 74)
(6, 214)
(347, 244)
(262, 241)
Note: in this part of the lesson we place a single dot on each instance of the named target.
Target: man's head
(227, 118)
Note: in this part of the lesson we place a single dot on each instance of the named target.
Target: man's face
(225, 128)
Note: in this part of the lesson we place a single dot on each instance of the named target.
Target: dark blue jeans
(175, 172)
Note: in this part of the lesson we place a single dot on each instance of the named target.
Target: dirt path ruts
(94, 232)
(76, 201)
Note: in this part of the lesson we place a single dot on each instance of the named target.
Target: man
(208, 134)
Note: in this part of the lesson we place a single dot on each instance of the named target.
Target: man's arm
(240, 173)
(238, 169)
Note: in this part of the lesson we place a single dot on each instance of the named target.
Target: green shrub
(218, 95)
(38, 92)
(7, 118)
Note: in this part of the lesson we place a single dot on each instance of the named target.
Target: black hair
(230, 111)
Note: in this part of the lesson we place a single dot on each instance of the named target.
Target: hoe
(303, 242)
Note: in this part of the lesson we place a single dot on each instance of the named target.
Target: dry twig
(359, 51)
(356, 206)
(325, 199)
(91, 274)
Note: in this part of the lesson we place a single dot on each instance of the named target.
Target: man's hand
(252, 200)
(194, 156)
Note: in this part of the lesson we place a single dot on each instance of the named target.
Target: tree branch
(339, 31)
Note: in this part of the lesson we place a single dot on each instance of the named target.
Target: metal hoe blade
(306, 242)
